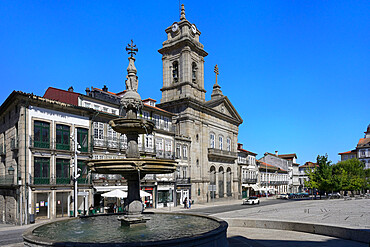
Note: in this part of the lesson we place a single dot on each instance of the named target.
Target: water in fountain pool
(106, 229)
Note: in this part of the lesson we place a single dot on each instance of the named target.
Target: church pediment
(224, 106)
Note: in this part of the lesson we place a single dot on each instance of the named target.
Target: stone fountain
(133, 168)
(163, 229)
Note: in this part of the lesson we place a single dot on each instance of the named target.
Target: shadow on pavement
(240, 241)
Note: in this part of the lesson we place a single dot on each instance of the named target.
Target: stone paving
(350, 213)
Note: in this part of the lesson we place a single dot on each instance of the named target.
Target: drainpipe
(25, 166)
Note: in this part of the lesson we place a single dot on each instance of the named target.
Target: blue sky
(296, 71)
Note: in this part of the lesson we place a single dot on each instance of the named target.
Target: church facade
(211, 125)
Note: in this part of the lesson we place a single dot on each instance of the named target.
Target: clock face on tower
(175, 27)
(194, 29)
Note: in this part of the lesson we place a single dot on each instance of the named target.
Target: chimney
(276, 153)
(70, 89)
(87, 90)
(105, 89)
(240, 145)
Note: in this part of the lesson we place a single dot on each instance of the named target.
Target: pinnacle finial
(132, 49)
(216, 72)
(182, 17)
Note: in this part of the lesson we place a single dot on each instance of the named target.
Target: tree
(352, 173)
(323, 175)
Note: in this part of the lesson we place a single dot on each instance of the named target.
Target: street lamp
(11, 171)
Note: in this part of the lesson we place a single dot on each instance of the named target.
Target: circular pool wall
(163, 229)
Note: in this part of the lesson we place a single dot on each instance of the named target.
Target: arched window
(220, 142)
(212, 140)
(175, 71)
(221, 182)
(194, 69)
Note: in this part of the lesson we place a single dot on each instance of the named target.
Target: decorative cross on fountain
(132, 49)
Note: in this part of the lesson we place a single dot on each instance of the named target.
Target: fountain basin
(126, 126)
(132, 165)
(163, 229)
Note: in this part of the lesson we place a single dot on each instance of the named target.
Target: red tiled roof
(149, 99)
(62, 96)
(246, 151)
(363, 141)
(271, 166)
(104, 91)
(159, 109)
(286, 156)
(348, 152)
(309, 164)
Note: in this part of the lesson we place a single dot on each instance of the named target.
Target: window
(159, 144)
(145, 115)
(220, 142)
(83, 179)
(98, 131)
(62, 171)
(123, 139)
(149, 142)
(105, 109)
(157, 121)
(184, 172)
(194, 69)
(114, 111)
(178, 151)
(82, 139)
(168, 149)
(212, 140)
(164, 196)
(166, 123)
(87, 105)
(62, 137)
(41, 134)
(175, 71)
(228, 144)
(97, 107)
(185, 151)
(41, 172)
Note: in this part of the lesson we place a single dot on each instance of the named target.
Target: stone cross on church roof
(216, 92)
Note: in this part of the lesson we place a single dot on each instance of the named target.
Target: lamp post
(11, 171)
(75, 171)
(266, 183)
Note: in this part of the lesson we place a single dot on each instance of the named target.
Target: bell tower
(183, 62)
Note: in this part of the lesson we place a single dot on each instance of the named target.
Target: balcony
(41, 180)
(51, 145)
(278, 182)
(249, 180)
(6, 180)
(63, 181)
(83, 180)
(109, 142)
(180, 181)
(14, 143)
(221, 155)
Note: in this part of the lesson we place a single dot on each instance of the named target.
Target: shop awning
(109, 188)
(255, 187)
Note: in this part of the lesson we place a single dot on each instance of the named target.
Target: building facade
(211, 125)
(248, 172)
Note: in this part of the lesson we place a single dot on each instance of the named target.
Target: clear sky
(296, 71)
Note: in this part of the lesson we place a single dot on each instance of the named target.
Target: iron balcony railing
(41, 180)
(182, 180)
(96, 176)
(14, 143)
(56, 145)
(222, 153)
(6, 179)
(249, 180)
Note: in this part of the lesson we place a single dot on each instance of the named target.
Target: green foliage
(349, 175)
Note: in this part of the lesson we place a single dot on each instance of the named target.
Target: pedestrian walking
(186, 203)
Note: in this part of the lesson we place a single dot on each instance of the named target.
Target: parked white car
(251, 200)
(282, 196)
